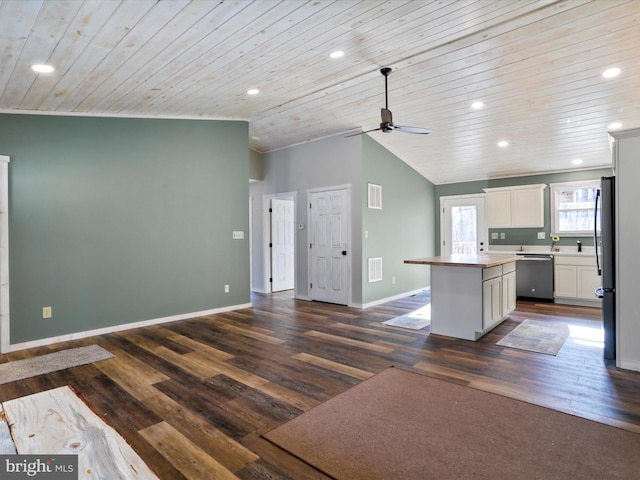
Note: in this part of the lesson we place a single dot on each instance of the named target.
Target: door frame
(348, 280)
(266, 237)
(482, 229)
(5, 322)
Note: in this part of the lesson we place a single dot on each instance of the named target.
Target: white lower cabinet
(576, 279)
(508, 292)
(491, 302)
(498, 294)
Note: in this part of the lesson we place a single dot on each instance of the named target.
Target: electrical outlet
(46, 312)
(541, 235)
(502, 236)
(494, 235)
(226, 289)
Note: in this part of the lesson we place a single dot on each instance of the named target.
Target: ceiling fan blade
(418, 130)
(362, 133)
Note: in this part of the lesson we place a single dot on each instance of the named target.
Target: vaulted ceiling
(536, 66)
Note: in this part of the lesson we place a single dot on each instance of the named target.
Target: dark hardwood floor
(193, 397)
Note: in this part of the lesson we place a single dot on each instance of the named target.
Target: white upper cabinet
(515, 207)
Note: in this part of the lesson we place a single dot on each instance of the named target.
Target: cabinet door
(508, 293)
(498, 209)
(527, 208)
(491, 302)
(587, 281)
(565, 281)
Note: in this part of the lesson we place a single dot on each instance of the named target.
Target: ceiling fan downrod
(386, 71)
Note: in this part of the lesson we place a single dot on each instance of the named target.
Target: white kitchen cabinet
(498, 294)
(508, 292)
(498, 208)
(515, 207)
(491, 302)
(576, 279)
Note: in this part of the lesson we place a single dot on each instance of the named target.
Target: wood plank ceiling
(536, 65)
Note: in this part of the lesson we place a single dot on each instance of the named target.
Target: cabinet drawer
(491, 272)
(509, 267)
(587, 260)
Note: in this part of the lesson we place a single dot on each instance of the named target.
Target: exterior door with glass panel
(462, 225)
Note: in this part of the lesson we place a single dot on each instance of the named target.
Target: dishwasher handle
(536, 259)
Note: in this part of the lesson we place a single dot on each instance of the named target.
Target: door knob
(344, 252)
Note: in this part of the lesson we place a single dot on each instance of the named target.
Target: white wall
(627, 173)
(318, 164)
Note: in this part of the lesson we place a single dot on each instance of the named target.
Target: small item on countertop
(579, 246)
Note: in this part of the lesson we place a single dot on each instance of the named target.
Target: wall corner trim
(4, 254)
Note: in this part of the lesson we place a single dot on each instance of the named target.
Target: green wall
(521, 236)
(403, 229)
(115, 220)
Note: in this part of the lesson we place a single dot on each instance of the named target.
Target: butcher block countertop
(477, 261)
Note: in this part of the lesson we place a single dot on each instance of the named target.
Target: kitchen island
(470, 294)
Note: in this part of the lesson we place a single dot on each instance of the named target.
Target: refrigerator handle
(595, 233)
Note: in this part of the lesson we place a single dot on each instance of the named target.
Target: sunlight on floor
(590, 336)
(422, 312)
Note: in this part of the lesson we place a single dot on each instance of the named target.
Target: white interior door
(462, 225)
(330, 246)
(282, 249)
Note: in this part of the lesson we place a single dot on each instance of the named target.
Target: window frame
(554, 188)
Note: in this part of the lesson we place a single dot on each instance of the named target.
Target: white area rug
(416, 320)
(51, 362)
(540, 337)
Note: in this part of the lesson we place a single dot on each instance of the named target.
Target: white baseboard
(389, 299)
(632, 365)
(118, 328)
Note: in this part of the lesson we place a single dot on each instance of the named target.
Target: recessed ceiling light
(477, 105)
(42, 68)
(253, 91)
(614, 126)
(611, 72)
(337, 54)
(576, 161)
(503, 143)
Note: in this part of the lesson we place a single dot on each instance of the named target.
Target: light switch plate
(494, 235)
(238, 235)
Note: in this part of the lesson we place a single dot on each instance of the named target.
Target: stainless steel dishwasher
(534, 276)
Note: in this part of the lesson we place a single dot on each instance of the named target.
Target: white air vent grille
(375, 196)
(375, 269)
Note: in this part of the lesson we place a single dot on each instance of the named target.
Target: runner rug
(540, 337)
(51, 362)
(403, 425)
(416, 320)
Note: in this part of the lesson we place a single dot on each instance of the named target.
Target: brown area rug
(403, 425)
(540, 337)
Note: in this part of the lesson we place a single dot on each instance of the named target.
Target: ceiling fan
(387, 124)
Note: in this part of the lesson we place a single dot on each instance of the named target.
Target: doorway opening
(279, 244)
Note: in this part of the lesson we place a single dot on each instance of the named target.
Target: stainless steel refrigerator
(605, 261)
